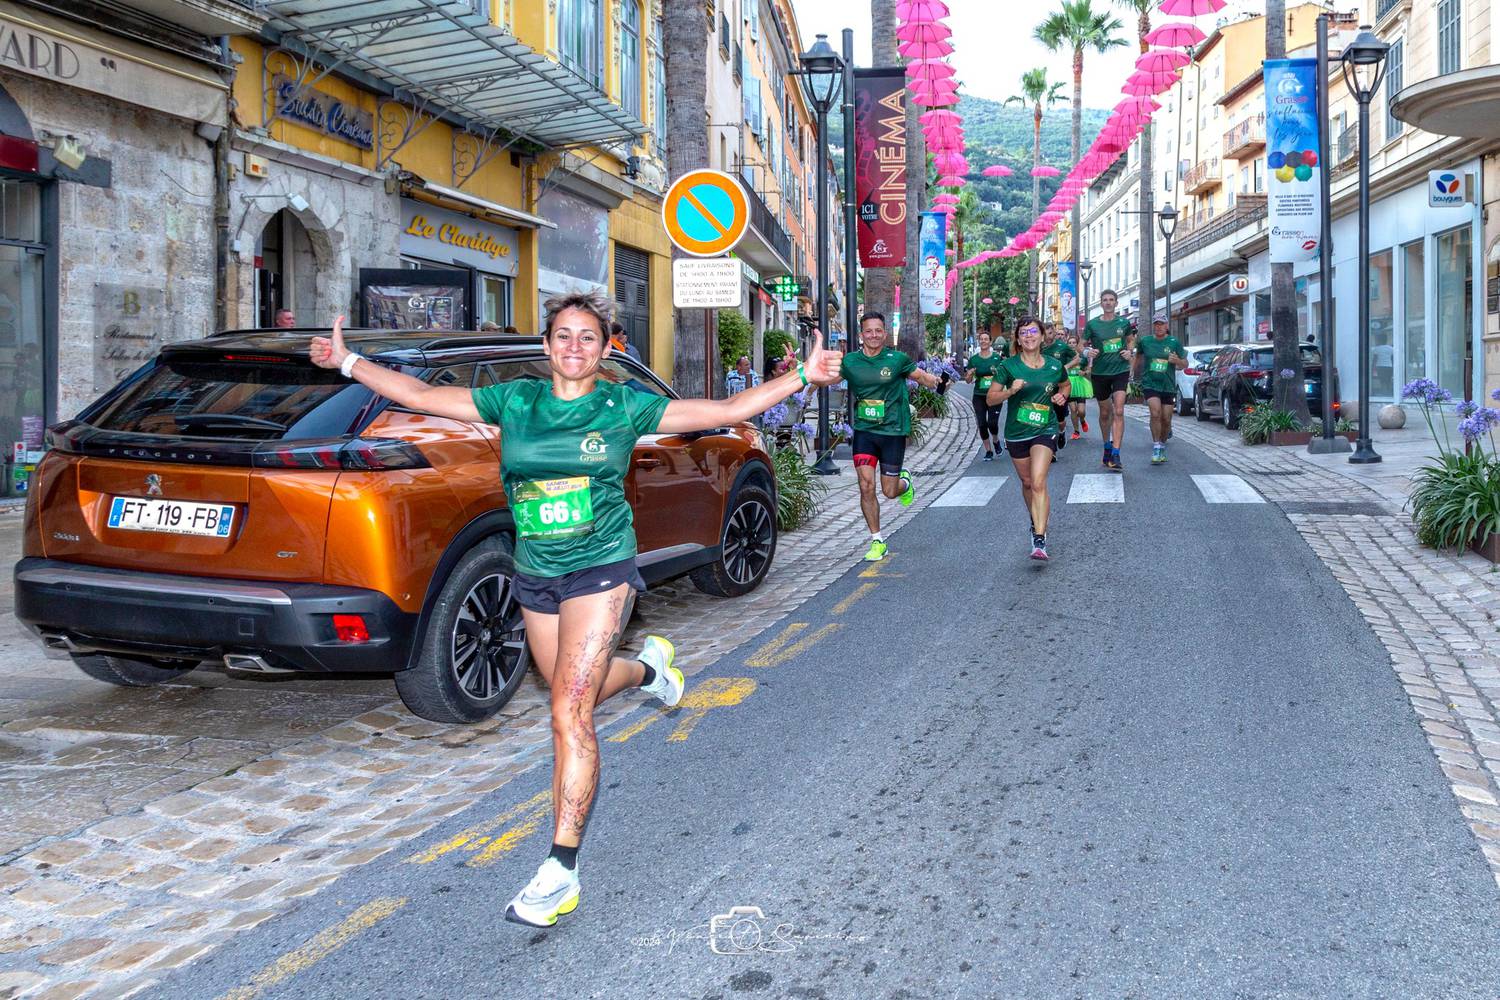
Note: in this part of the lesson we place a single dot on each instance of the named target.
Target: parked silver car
(1198, 358)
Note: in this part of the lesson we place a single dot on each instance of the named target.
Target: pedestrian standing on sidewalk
(1110, 353)
(1160, 356)
(980, 370)
(567, 450)
(877, 375)
(1033, 384)
(1080, 389)
(1058, 349)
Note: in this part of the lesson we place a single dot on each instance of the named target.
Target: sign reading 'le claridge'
(1294, 194)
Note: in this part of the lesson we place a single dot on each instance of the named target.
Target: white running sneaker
(658, 654)
(553, 892)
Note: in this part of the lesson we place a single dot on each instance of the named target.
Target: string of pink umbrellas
(925, 40)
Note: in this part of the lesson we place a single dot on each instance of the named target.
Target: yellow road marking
(476, 836)
(764, 653)
(507, 841)
(848, 602)
(878, 570)
(775, 656)
(716, 692)
(323, 944)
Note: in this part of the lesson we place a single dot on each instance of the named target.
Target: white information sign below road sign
(710, 283)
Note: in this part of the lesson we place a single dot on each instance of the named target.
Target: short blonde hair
(592, 302)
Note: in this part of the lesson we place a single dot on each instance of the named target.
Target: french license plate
(174, 517)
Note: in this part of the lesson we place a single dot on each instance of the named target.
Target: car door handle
(647, 462)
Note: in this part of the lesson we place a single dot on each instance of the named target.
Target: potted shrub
(1342, 427)
(1455, 501)
(1265, 424)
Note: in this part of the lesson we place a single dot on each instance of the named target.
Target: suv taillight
(1190, 371)
(360, 453)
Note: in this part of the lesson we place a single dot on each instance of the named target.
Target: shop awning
(441, 52)
(453, 198)
(1181, 295)
(1466, 103)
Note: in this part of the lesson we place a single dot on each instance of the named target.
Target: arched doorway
(285, 270)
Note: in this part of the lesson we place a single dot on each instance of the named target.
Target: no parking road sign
(705, 212)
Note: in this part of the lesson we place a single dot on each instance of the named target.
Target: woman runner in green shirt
(567, 450)
(980, 370)
(1033, 383)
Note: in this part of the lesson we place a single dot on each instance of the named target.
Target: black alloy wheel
(489, 638)
(749, 540)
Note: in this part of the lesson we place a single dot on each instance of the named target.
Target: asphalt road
(1171, 763)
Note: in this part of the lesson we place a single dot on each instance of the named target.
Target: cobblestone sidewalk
(1436, 613)
(105, 909)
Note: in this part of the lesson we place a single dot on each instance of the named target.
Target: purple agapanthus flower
(1483, 420)
(1426, 391)
(1495, 395)
(804, 428)
(1466, 408)
(842, 429)
(1288, 373)
(775, 416)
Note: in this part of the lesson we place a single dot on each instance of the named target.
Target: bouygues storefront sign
(324, 112)
(437, 234)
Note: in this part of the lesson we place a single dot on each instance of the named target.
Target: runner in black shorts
(981, 370)
(1109, 350)
(1034, 384)
(1161, 355)
(568, 445)
(877, 377)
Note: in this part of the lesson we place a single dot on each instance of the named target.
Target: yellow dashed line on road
(478, 835)
(848, 602)
(716, 692)
(878, 570)
(776, 652)
(507, 841)
(323, 944)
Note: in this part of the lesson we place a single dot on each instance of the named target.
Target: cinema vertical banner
(880, 165)
(932, 275)
(1294, 186)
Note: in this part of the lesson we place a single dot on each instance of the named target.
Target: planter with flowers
(1455, 501)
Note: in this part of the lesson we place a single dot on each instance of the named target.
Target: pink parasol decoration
(1191, 8)
(986, 301)
(944, 197)
(1176, 35)
(934, 69)
(998, 170)
(924, 31)
(925, 50)
(925, 10)
(1162, 60)
(1139, 104)
(1152, 82)
(951, 182)
(1014, 301)
(935, 100)
(1045, 171)
(939, 116)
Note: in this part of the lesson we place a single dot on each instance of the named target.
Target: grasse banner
(1067, 294)
(932, 270)
(1294, 185)
(880, 165)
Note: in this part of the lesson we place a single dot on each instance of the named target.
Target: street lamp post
(1166, 221)
(824, 71)
(1364, 67)
(1085, 271)
(1326, 444)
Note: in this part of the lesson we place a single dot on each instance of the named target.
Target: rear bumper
(92, 609)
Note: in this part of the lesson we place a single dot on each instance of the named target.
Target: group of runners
(576, 578)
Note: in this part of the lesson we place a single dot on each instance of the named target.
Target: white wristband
(346, 368)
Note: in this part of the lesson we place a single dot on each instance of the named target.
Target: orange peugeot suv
(232, 502)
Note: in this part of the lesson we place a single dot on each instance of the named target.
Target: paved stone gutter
(106, 908)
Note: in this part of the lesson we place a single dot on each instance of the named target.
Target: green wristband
(802, 372)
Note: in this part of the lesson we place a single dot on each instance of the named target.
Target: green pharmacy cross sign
(786, 287)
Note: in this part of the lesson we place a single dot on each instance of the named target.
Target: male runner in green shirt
(1160, 356)
(877, 375)
(1109, 340)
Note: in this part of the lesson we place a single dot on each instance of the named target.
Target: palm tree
(1076, 25)
(686, 57)
(1147, 254)
(1037, 93)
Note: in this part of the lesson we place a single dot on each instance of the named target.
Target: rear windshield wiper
(227, 420)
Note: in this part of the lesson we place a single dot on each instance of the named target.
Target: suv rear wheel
(746, 548)
(130, 671)
(474, 654)
(1199, 410)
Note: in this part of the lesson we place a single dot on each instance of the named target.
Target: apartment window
(630, 56)
(1449, 58)
(578, 30)
(1393, 83)
(659, 67)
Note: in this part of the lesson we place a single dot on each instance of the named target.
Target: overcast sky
(993, 47)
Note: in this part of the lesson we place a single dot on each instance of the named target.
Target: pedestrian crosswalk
(1089, 488)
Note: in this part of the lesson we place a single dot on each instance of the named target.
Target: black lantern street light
(824, 72)
(1085, 271)
(1166, 221)
(1364, 68)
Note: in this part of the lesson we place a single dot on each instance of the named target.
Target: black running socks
(566, 856)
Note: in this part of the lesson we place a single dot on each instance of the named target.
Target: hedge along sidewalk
(1436, 613)
(113, 905)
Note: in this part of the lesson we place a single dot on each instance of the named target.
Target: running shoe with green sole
(877, 550)
(552, 893)
(911, 491)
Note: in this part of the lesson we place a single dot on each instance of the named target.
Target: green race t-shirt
(1060, 352)
(1108, 338)
(984, 369)
(1157, 372)
(1028, 413)
(563, 464)
(877, 388)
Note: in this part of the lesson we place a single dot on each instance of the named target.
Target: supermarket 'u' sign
(705, 212)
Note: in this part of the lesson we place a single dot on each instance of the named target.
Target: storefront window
(1414, 311)
(494, 300)
(575, 255)
(1455, 307)
(1382, 326)
(22, 358)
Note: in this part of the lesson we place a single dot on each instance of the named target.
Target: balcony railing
(1248, 136)
(724, 34)
(1204, 176)
(765, 222)
(1389, 7)
(738, 62)
(1247, 208)
(1347, 147)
